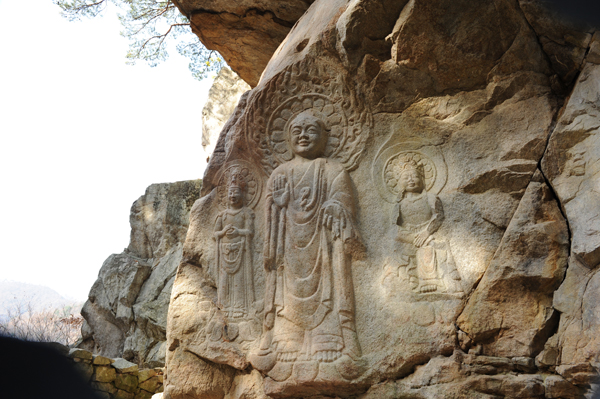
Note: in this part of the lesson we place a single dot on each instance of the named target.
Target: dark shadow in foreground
(31, 370)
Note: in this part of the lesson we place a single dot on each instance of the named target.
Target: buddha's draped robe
(309, 281)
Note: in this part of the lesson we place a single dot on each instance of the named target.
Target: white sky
(81, 137)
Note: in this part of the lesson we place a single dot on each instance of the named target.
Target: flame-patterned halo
(331, 114)
(247, 171)
(392, 168)
(391, 159)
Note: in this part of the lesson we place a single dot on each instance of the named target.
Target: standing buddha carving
(309, 240)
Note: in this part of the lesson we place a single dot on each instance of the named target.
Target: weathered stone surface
(511, 313)
(126, 382)
(195, 377)
(593, 55)
(126, 313)
(104, 374)
(563, 39)
(572, 164)
(247, 386)
(122, 394)
(223, 96)
(143, 395)
(102, 361)
(558, 387)
(445, 378)
(150, 385)
(392, 210)
(76, 353)
(123, 366)
(575, 349)
(146, 374)
(104, 387)
(103, 395)
(246, 33)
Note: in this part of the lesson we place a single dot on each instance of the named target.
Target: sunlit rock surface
(404, 205)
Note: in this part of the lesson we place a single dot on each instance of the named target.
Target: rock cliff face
(404, 206)
(126, 313)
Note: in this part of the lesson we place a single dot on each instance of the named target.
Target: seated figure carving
(419, 215)
(309, 243)
(233, 233)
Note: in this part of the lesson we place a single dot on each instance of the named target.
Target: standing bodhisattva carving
(233, 233)
(309, 242)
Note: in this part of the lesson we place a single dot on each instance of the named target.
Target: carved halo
(391, 171)
(391, 158)
(253, 186)
(332, 116)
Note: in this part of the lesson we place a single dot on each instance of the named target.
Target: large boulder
(404, 206)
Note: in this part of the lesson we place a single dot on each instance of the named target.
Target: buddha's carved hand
(421, 238)
(269, 320)
(224, 231)
(232, 232)
(281, 191)
(334, 219)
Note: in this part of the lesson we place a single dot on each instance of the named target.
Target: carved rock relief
(301, 329)
(308, 85)
(409, 175)
(311, 235)
(237, 313)
(301, 306)
(312, 131)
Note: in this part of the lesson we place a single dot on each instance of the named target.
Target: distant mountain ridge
(14, 294)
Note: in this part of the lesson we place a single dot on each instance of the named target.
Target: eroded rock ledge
(246, 33)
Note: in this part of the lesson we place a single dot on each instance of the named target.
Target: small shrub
(61, 325)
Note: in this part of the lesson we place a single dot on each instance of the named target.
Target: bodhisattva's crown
(237, 180)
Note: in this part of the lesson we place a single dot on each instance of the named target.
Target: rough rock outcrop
(246, 33)
(562, 39)
(404, 206)
(223, 96)
(126, 313)
(571, 164)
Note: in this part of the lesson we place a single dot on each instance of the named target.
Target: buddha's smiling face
(307, 136)
(411, 181)
(234, 195)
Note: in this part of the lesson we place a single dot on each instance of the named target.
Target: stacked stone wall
(117, 378)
